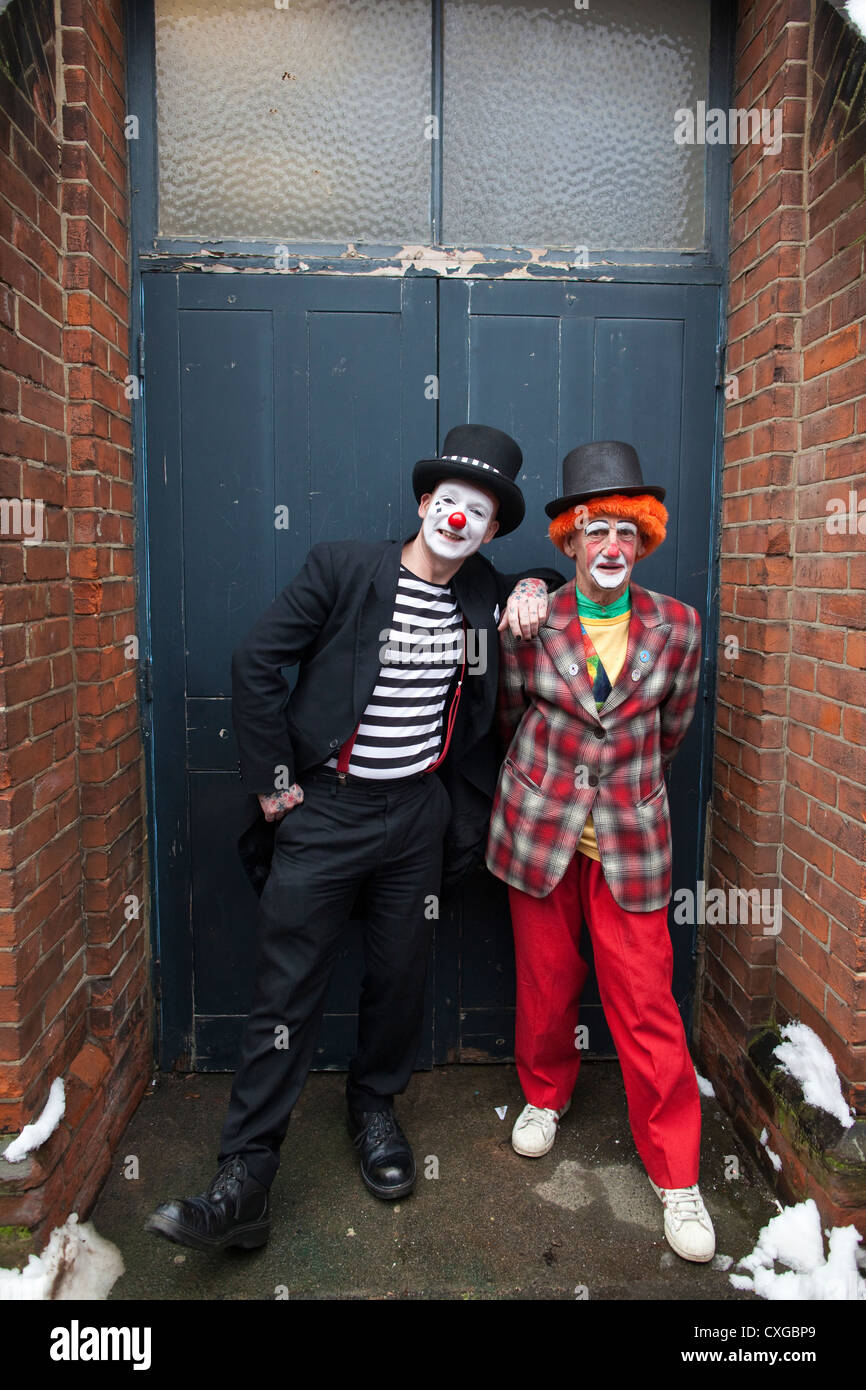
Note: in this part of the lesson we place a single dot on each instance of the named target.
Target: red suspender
(345, 754)
(452, 713)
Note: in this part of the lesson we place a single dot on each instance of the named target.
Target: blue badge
(644, 656)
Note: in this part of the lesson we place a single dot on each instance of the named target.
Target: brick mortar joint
(103, 71)
(74, 181)
(119, 150)
(101, 66)
(88, 290)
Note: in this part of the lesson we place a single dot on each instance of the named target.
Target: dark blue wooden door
(556, 364)
(282, 410)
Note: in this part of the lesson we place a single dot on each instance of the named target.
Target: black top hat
(600, 470)
(482, 455)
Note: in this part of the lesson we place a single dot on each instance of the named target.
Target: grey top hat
(601, 470)
(479, 454)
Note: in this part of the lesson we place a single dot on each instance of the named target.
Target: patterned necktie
(595, 667)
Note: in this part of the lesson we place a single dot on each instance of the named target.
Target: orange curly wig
(645, 511)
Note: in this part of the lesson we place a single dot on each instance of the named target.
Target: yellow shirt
(609, 636)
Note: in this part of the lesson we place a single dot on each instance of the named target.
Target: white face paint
(608, 574)
(450, 499)
(612, 563)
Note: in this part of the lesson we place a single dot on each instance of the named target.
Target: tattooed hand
(276, 805)
(526, 608)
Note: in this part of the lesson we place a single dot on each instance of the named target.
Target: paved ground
(582, 1221)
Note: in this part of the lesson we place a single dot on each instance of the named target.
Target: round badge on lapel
(644, 656)
(635, 675)
(573, 669)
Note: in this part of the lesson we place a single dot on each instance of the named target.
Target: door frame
(151, 254)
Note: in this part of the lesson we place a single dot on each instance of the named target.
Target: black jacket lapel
(477, 601)
(374, 618)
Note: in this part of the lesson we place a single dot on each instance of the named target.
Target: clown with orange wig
(592, 711)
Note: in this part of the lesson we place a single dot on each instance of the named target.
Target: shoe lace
(234, 1171)
(535, 1115)
(685, 1203)
(380, 1126)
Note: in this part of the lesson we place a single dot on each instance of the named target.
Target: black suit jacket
(329, 620)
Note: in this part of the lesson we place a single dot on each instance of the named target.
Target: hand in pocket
(276, 805)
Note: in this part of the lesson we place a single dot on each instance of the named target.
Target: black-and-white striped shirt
(400, 733)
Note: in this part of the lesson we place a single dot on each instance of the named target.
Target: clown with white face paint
(595, 710)
(392, 766)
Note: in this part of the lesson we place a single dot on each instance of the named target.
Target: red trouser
(634, 967)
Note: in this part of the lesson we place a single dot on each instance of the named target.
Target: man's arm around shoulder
(551, 579)
(523, 598)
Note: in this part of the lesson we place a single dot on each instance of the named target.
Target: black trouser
(341, 839)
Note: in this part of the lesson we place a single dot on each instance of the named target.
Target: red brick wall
(823, 958)
(790, 764)
(73, 970)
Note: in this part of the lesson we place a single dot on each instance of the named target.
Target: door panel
(227, 450)
(558, 364)
(301, 395)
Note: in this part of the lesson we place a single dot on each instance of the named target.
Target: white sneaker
(535, 1130)
(688, 1228)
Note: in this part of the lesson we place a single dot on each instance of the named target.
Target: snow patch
(806, 1058)
(773, 1157)
(704, 1086)
(856, 11)
(77, 1263)
(793, 1238)
(32, 1136)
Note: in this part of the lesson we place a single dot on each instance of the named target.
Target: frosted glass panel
(303, 123)
(558, 123)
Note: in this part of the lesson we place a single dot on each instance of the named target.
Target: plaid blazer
(566, 759)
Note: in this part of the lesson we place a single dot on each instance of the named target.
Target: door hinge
(720, 363)
(141, 357)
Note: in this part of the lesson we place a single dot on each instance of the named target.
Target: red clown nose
(456, 521)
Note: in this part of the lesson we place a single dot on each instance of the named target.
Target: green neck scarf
(587, 609)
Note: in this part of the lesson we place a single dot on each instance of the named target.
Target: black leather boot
(387, 1164)
(233, 1211)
